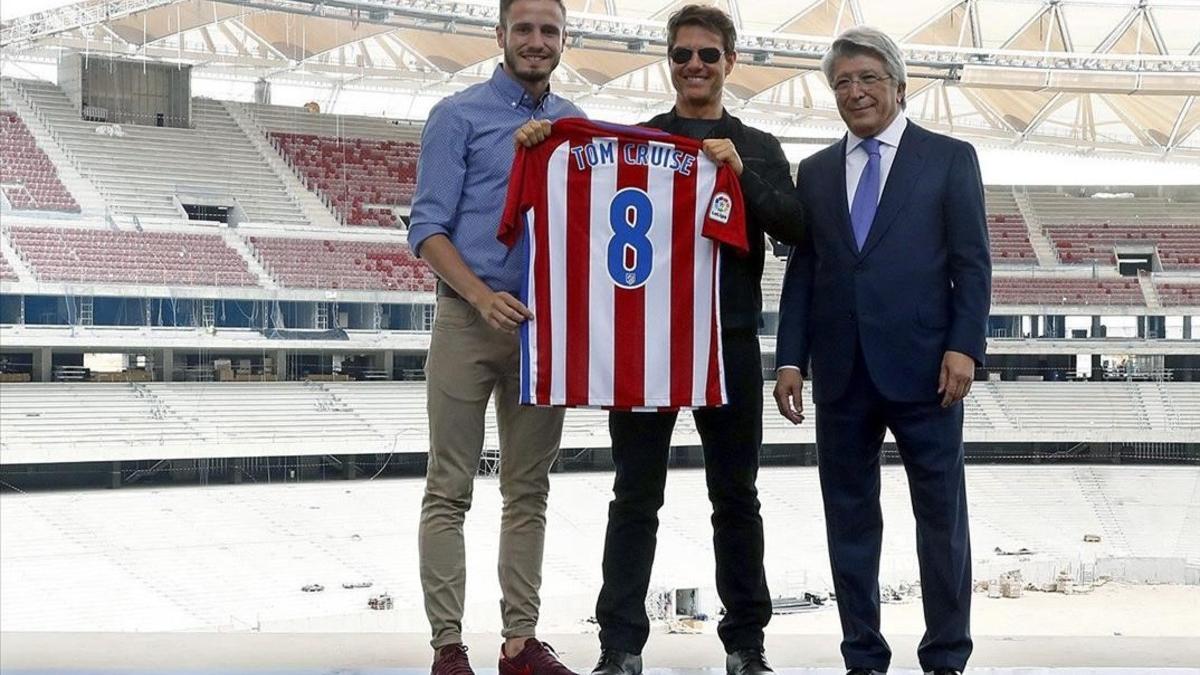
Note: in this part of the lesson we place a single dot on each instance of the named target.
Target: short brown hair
(707, 17)
(506, 4)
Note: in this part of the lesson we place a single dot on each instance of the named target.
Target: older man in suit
(888, 298)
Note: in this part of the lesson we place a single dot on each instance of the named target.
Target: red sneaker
(451, 660)
(537, 658)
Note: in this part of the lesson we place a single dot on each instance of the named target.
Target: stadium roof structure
(1091, 76)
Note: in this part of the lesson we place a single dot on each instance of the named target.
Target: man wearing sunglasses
(701, 49)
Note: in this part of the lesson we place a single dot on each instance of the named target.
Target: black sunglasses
(682, 55)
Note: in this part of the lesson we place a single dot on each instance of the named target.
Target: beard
(512, 63)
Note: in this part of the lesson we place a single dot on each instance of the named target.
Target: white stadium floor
(230, 560)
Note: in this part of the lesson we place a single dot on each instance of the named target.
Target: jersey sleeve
(518, 201)
(725, 221)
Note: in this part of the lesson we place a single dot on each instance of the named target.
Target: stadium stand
(1183, 405)
(772, 279)
(278, 413)
(6, 270)
(96, 416)
(316, 263)
(163, 418)
(361, 179)
(27, 176)
(363, 168)
(175, 258)
(1176, 294)
(94, 422)
(1058, 405)
(394, 410)
(290, 119)
(142, 170)
(1007, 231)
(1065, 291)
(1086, 230)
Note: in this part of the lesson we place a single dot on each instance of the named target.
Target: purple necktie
(866, 196)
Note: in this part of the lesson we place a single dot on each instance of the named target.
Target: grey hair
(866, 40)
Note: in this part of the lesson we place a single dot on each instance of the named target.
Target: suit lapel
(839, 188)
(906, 168)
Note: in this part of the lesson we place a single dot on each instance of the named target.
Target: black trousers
(731, 436)
(850, 435)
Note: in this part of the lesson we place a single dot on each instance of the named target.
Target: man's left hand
(958, 371)
(532, 132)
(722, 151)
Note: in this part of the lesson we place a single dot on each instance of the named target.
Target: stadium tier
(312, 263)
(6, 270)
(95, 422)
(361, 179)
(169, 258)
(142, 169)
(1178, 244)
(1176, 294)
(1007, 231)
(1057, 291)
(288, 119)
(1090, 229)
(27, 176)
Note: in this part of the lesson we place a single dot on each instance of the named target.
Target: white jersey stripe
(661, 189)
(601, 347)
(716, 317)
(532, 304)
(706, 178)
(556, 202)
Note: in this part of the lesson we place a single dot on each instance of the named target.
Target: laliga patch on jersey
(721, 208)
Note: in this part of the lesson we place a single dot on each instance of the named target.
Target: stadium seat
(360, 178)
(29, 178)
(172, 258)
(347, 264)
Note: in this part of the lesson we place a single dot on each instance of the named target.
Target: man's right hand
(502, 311)
(789, 385)
(533, 132)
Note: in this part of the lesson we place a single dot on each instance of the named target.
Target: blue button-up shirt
(462, 178)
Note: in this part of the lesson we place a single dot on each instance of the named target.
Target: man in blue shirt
(466, 154)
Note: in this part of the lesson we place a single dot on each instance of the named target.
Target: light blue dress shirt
(462, 178)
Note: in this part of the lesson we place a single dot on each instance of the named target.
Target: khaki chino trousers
(469, 362)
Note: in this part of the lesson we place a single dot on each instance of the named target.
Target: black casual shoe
(863, 671)
(751, 661)
(614, 662)
(943, 671)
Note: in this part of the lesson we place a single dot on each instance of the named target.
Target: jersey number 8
(630, 252)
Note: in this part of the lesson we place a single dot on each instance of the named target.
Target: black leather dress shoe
(614, 662)
(944, 671)
(860, 671)
(747, 662)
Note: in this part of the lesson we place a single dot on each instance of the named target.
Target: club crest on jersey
(721, 208)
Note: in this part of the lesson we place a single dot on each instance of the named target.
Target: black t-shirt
(695, 128)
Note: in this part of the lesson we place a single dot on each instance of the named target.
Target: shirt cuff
(796, 368)
(423, 232)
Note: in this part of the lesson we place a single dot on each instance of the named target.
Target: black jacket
(771, 208)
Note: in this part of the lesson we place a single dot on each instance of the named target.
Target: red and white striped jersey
(622, 227)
